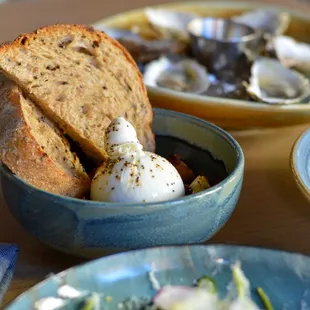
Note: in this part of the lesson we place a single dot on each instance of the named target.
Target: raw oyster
(185, 75)
(171, 24)
(143, 50)
(269, 22)
(273, 83)
(292, 54)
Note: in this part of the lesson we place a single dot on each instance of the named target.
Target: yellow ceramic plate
(227, 113)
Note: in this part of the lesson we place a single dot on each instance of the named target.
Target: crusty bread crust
(24, 156)
(12, 53)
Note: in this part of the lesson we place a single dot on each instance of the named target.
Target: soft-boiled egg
(131, 175)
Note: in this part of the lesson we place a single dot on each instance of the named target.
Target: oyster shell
(143, 50)
(273, 83)
(146, 31)
(269, 22)
(185, 75)
(118, 33)
(171, 24)
(292, 54)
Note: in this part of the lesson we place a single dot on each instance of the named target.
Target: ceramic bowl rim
(293, 163)
(171, 247)
(210, 100)
(164, 204)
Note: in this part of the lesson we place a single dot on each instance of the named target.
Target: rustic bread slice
(34, 149)
(82, 79)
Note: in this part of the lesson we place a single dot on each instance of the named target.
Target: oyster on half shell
(185, 75)
(143, 50)
(171, 24)
(269, 22)
(273, 83)
(292, 54)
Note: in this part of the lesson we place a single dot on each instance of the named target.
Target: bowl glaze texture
(300, 163)
(285, 277)
(90, 229)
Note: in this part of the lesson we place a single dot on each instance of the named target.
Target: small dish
(285, 277)
(90, 228)
(300, 163)
(222, 44)
(227, 113)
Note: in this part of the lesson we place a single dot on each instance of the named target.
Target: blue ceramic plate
(300, 163)
(285, 277)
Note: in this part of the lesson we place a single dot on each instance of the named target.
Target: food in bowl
(131, 175)
(189, 69)
(92, 229)
(202, 295)
(60, 100)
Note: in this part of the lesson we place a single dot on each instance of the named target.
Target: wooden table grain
(271, 211)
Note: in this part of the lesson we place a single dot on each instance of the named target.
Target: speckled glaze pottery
(91, 229)
(300, 163)
(285, 277)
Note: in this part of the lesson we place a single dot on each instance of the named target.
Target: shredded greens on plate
(202, 296)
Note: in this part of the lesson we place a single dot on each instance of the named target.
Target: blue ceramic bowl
(285, 277)
(300, 163)
(90, 229)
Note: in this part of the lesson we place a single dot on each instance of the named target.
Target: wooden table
(271, 212)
